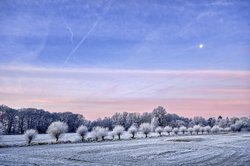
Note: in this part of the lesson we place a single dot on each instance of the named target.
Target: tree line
(17, 121)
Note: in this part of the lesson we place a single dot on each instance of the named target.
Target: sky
(105, 56)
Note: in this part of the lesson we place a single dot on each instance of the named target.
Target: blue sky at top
(121, 34)
(98, 57)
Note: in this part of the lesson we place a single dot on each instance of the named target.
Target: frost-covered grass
(72, 137)
(187, 139)
(19, 140)
(219, 149)
(42, 138)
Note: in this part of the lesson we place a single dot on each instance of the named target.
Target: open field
(222, 149)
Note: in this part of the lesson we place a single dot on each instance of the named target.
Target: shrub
(168, 129)
(101, 132)
(82, 131)
(30, 135)
(175, 130)
(215, 129)
(93, 134)
(118, 130)
(57, 129)
(133, 130)
(145, 129)
(197, 129)
(183, 129)
(239, 124)
(159, 130)
(202, 129)
(207, 129)
(112, 134)
(190, 130)
(227, 129)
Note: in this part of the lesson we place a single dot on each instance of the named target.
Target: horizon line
(140, 113)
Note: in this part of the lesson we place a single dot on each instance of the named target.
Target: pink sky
(98, 93)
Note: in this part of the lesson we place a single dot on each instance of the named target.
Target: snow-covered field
(222, 149)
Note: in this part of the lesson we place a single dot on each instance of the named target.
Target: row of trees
(16, 121)
(57, 129)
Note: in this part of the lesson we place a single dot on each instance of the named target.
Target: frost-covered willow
(190, 130)
(101, 132)
(175, 130)
(30, 135)
(207, 129)
(202, 129)
(159, 130)
(132, 130)
(145, 128)
(93, 134)
(215, 129)
(57, 129)
(118, 130)
(183, 129)
(197, 129)
(112, 134)
(82, 131)
(168, 129)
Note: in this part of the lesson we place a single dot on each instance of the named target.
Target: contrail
(87, 34)
(67, 27)
(71, 32)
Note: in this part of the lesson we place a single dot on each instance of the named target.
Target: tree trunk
(9, 127)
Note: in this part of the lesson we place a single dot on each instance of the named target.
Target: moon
(201, 46)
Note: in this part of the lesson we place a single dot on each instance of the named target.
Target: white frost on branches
(159, 130)
(132, 130)
(82, 131)
(145, 128)
(57, 129)
(30, 135)
(118, 130)
(168, 129)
